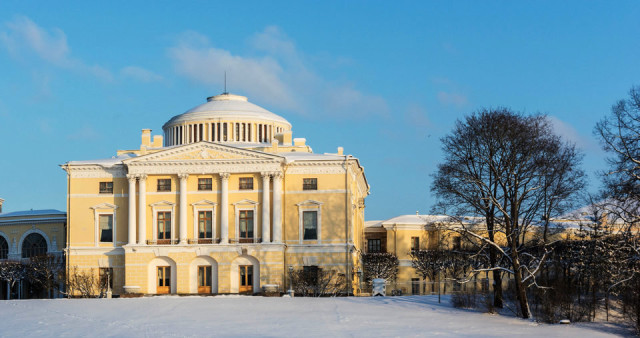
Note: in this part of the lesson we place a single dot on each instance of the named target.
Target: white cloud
(23, 37)
(569, 133)
(140, 74)
(275, 73)
(452, 98)
(85, 133)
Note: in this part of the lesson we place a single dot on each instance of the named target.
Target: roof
(33, 216)
(415, 219)
(226, 106)
(106, 162)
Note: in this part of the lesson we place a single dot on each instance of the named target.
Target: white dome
(227, 106)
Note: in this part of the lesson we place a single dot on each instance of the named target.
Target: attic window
(246, 183)
(106, 187)
(164, 184)
(309, 184)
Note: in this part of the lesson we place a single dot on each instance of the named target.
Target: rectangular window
(164, 227)
(415, 243)
(204, 224)
(164, 184)
(205, 184)
(246, 226)
(106, 228)
(373, 245)
(106, 187)
(311, 273)
(415, 286)
(310, 224)
(309, 184)
(105, 278)
(246, 183)
(457, 243)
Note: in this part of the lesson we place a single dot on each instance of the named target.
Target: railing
(431, 288)
(204, 240)
(245, 240)
(162, 241)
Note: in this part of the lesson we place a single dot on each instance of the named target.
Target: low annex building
(26, 234)
(226, 201)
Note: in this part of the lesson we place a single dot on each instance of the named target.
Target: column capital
(142, 177)
(277, 175)
(266, 174)
(183, 176)
(224, 176)
(132, 177)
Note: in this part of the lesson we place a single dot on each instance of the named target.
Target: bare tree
(12, 272)
(512, 171)
(380, 265)
(46, 271)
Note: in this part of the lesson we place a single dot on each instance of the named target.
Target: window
(204, 224)
(106, 227)
(106, 187)
(415, 243)
(246, 183)
(373, 245)
(457, 243)
(246, 226)
(415, 286)
(164, 184)
(34, 245)
(105, 278)
(164, 227)
(310, 225)
(4, 248)
(311, 273)
(204, 184)
(309, 184)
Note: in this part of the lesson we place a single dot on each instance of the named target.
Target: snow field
(245, 316)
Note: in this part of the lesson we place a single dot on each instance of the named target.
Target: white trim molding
(246, 204)
(163, 206)
(204, 205)
(309, 205)
(104, 209)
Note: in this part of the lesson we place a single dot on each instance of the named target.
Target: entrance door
(164, 280)
(246, 279)
(204, 279)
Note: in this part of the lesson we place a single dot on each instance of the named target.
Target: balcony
(162, 241)
(204, 241)
(245, 240)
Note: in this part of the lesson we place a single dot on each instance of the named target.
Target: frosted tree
(510, 171)
(380, 265)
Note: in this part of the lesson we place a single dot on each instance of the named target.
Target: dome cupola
(224, 118)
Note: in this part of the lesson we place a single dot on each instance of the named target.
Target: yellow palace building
(225, 201)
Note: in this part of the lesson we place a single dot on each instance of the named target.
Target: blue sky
(384, 80)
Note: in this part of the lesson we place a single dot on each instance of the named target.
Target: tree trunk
(521, 291)
(497, 281)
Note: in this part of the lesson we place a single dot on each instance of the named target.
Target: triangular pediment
(203, 151)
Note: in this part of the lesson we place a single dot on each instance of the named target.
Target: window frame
(100, 215)
(369, 246)
(310, 205)
(247, 184)
(245, 205)
(163, 187)
(415, 240)
(311, 184)
(304, 227)
(205, 186)
(163, 221)
(105, 187)
(104, 209)
(163, 206)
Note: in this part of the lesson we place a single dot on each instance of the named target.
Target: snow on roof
(373, 224)
(33, 213)
(226, 106)
(302, 156)
(415, 219)
(107, 162)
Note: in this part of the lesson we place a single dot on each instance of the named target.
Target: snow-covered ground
(259, 317)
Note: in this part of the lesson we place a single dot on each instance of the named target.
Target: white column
(183, 208)
(266, 238)
(142, 211)
(277, 207)
(132, 208)
(224, 208)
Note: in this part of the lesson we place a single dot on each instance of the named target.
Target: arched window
(4, 248)
(34, 245)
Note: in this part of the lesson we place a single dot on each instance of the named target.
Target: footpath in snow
(245, 316)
